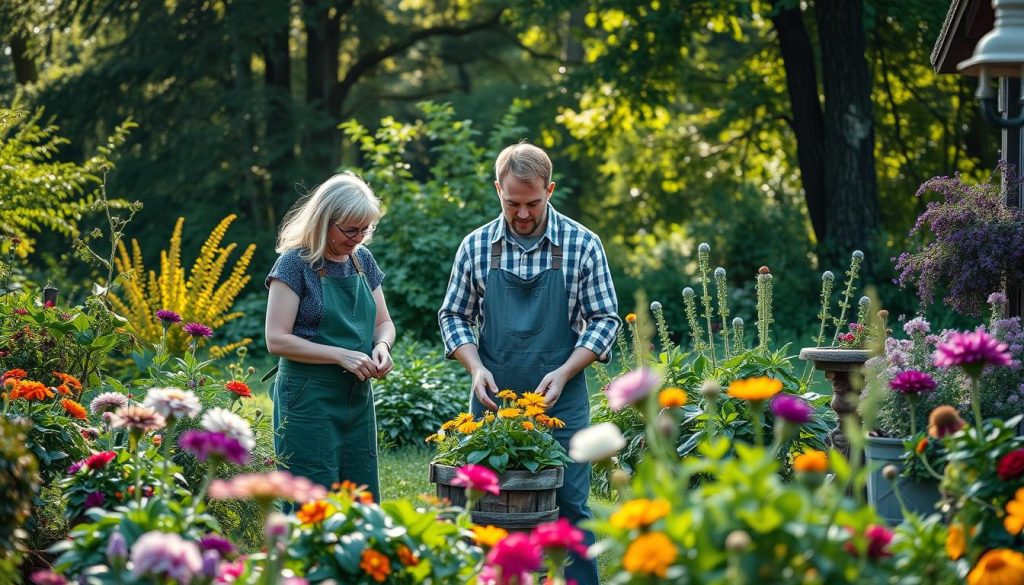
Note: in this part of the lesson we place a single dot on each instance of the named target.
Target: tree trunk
(807, 122)
(852, 216)
(323, 42)
(25, 70)
(280, 138)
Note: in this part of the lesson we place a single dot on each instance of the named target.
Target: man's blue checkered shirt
(593, 308)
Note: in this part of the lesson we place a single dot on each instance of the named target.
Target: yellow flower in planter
(1014, 521)
(530, 399)
(507, 394)
(650, 554)
(761, 388)
(640, 513)
(509, 412)
(468, 427)
(488, 535)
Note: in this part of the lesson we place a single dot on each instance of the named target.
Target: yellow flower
(631, 318)
(811, 461)
(554, 423)
(488, 418)
(527, 425)
(761, 388)
(650, 554)
(955, 541)
(458, 421)
(314, 512)
(534, 410)
(530, 399)
(468, 427)
(488, 535)
(507, 394)
(672, 398)
(998, 567)
(1014, 521)
(509, 412)
(639, 513)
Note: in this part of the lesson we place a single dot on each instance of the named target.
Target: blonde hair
(342, 199)
(525, 161)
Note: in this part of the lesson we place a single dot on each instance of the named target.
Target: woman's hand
(359, 364)
(382, 359)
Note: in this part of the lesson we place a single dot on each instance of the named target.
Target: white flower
(108, 402)
(221, 420)
(173, 402)
(596, 443)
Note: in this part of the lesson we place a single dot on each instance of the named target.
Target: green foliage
(427, 217)
(920, 549)
(419, 395)
(115, 480)
(19, 480)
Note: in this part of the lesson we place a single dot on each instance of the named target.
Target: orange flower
(375, 564)
(631, 318)
(30, 390)
(488, 418)
(650, 554)
(755, 389)
(811, 462)
(407, 557)
(996, 567)
(239, 387)
(534, 410)
(527, 425)
(467, 428)
(530, 399)
(73, 408)
(956, 544)
(1014, 519)
(16, 373)
(509, 412)
(672, 398)
(69, 380)
(64, 390)
(507, 394)
(639, 513)
(921, 445)
(488, 535)
(314, 512)
(366, 497)
(555, 423)
(10, 383)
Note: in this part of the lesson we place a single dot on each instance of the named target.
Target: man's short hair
(525, 161)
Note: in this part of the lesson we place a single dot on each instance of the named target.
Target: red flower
(17, 374)
(560, 534)
(239, 387)
(1011, 465)
(878, 538)
(99, 460)
(20, 311)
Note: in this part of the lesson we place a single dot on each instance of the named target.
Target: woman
(328, 322)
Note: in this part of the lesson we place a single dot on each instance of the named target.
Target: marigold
(509, 412)
(74, 409)
(527, 425)
(534, 410)
(314, 512)
(1014, 520)
(755, 389)
(70, 380)
(956, 542)
(672, 398)
(31, 390)
(488, 535)
(488, 418)
(555, 423)
(921, 445)
(631, 318)
(997, 567)
(467, 428)
(811, 462)
(507, 394)
(406, 556)
(375, 564)
(530, 399)
(16, 373)
(639, 513)
(239, 387)
(63, 390)
(650, 554)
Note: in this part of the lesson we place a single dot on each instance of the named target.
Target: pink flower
(912, 382)
(477, 478)
(560, 534)
(197, 330)
(972, 351)
(168, 317)
(878, 538)
(791, 409)
(515, 556)
(631, 387)
(165, 556)
(100, 460)
(270, 486)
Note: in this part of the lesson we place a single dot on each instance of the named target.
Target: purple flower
(117, 548)
(165, 555)
(917, 325)
(94, 500)
(997, 298)
(217, 544)
(206, 444)
(77, 465)
(211, 564)
(972, 351)
(912, 382)
(46, 577)
(168, 317)
(791, 409)
(630, 388)
(197, 330)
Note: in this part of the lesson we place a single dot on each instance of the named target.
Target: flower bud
(738, 541)
(655, 307)
(688, 292)
(251, 370)
(827, 275)
(620, 478)
(242, 351)
(890, 472)
(763, 270)
(883, 314)
(719, 272)
(858, 255)
(117, 548)
(710, 389)
(703, 248)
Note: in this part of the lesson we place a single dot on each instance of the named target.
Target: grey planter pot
(919, 495)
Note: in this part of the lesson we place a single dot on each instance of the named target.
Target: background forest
(777, 131)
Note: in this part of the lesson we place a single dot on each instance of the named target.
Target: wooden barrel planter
(526, 499)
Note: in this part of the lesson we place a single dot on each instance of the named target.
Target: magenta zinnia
(912, 382)
(516, 556)
(972, 351)
(560, 534)
(206, 444)
(791, 409)
(477, 478)
(197, 330)
(167, 317)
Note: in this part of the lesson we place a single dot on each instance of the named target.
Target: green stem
(976, 406)
(756, 408)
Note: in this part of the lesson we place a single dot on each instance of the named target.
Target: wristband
(385, 343)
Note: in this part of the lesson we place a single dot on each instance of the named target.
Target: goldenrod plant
(202, 297)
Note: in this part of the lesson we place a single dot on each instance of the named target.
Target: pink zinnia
(99, 460)
(270, 486)
(972, 351)
(165, 556)
(515, 556)
(167, 316)
(560, 534)
(912, 382)
(630, 388)
(197, 330)
(878, 538)
(477, 478)
(791, 409)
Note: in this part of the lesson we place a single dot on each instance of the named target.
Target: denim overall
(526, 335)
(325, 425)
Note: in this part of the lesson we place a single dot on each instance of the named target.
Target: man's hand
(551, 387)
(358, 363)
(382, 359)
(482, 382)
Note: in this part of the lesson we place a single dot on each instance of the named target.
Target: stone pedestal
(838, 364)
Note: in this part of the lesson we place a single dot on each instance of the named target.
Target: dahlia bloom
(477, 478)
(172, 402)
(138, 418)
(515, 555)
(100, 460)
(912, 382)
(791, 409)
(972, 351)
(630, 388)
(560, 534)
(221, 447)
(108, 402)
(221, 420)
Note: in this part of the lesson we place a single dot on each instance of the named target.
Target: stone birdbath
(838, 363)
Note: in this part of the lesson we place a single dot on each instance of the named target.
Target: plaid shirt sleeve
(598, 305)
(461, 302)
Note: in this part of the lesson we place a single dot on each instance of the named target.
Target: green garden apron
(526, 335)
(326, 429)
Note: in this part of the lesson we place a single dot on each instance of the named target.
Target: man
(536, 284)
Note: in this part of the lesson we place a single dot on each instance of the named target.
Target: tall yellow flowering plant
(517, 436)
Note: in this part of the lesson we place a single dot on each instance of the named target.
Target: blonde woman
(329, 324)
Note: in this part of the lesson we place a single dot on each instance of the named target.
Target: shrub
(421, 392)
(19, 480)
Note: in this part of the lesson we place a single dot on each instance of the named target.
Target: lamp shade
(1000, 53)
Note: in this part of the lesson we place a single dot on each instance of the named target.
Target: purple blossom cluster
(207, 444)
(978, 241)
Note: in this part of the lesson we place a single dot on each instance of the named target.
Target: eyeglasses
(353, 233)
